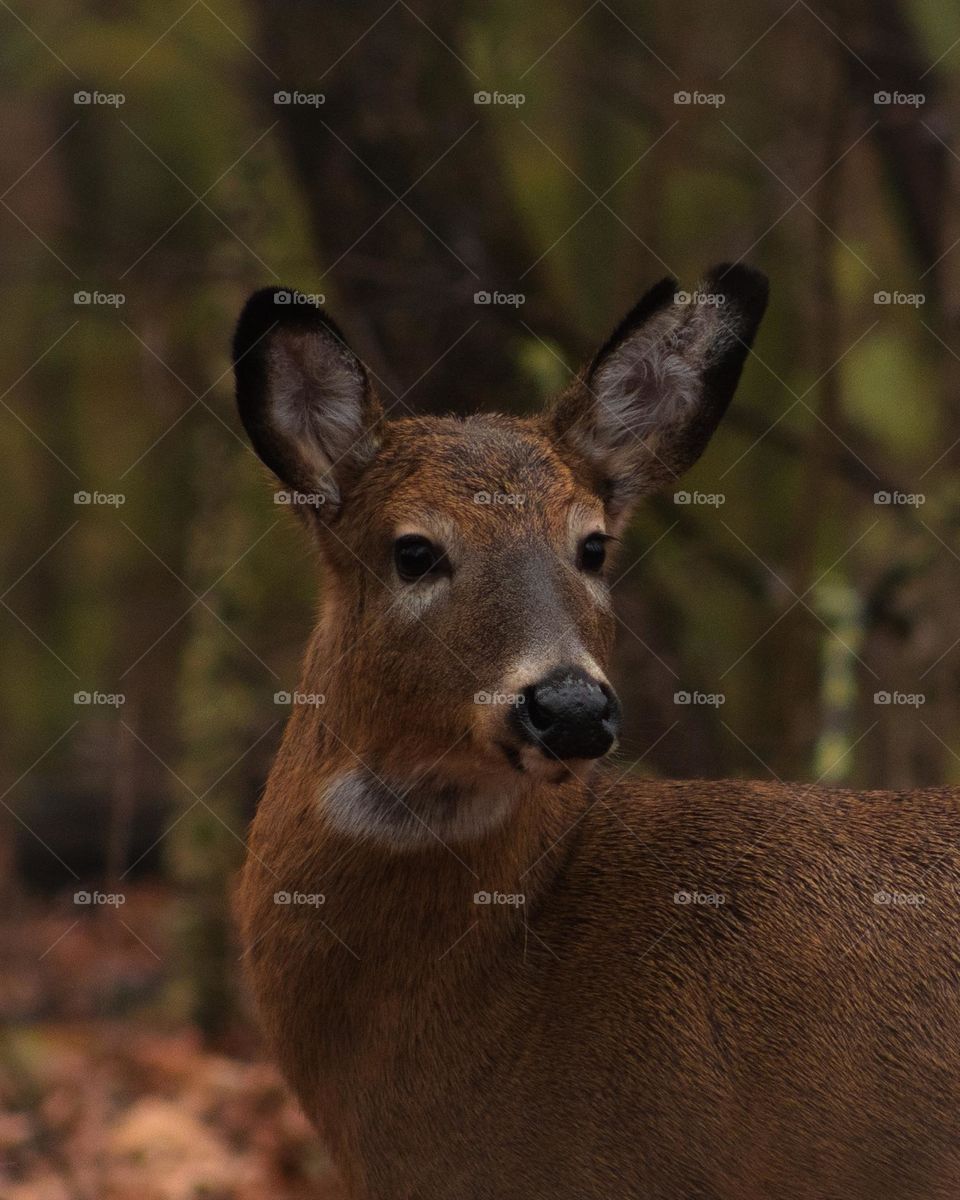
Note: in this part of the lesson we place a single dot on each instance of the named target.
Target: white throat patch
(360, 804)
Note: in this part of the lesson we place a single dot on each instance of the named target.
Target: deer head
(466, 625)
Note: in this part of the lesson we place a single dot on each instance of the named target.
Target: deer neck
(388, 853)
(383, 935)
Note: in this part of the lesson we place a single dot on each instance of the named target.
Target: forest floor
(131, 1105)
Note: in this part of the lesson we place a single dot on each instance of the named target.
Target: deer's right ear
(644, 410)
(303, 395)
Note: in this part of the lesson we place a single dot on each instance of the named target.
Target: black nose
(569, 715)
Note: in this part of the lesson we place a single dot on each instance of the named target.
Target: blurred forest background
(162, 160)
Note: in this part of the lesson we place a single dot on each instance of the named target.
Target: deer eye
(593, 552)
(417, 556)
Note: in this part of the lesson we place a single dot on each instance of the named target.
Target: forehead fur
(473, 467)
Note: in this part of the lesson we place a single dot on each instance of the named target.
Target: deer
(490, 965)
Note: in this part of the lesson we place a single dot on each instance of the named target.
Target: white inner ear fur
(316, 397)
(652, 381)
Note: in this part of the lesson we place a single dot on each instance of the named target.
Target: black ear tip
(273, 307)
(746, 286)
(259, 314)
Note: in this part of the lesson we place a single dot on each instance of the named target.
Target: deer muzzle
(568, 715)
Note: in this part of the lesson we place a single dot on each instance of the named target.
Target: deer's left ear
(304, 399)
(644, 409)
